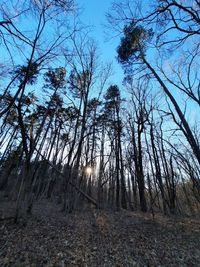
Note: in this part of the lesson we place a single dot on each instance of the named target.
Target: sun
(88, 170)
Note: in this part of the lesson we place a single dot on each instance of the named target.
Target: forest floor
(90, 238)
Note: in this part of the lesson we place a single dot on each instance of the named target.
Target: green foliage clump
(133, 42)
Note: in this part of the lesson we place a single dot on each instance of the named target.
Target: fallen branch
(85, 195)
(6, 219)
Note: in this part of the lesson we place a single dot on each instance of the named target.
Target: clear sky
(93, 14)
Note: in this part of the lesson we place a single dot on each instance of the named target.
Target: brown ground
(99, 239)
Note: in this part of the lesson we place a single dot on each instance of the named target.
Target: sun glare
(88, 170)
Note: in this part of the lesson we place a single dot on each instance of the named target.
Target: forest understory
(97, 238)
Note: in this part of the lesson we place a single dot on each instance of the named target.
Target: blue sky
(93, 14)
